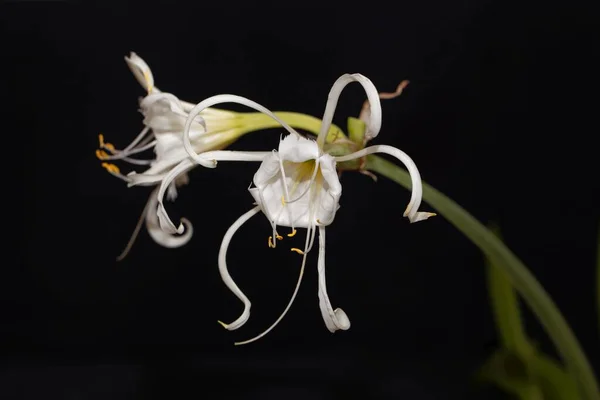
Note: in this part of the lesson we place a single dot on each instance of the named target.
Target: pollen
(101, 154)
(112, 168)
(292, 234)
(279, 237)
(101, 140)
(271, 245)
(282, 200)
(297, 250)
(110, 147)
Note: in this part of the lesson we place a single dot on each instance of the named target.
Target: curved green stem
(523, 281)
(258, 121)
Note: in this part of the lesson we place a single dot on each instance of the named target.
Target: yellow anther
(101, 154)
(101, 139)
(112, 168)
(271, 245)
(109, 147)
(279, 237)
(292, 234)
(282, 200)
(297, 250)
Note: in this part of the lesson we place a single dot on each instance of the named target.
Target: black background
(499, 115)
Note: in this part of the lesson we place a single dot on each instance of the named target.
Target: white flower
(296, 187)
(164, 119)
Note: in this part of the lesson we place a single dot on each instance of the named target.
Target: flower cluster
(296, 186)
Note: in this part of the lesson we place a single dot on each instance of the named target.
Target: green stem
(258, 121)
(522, 280)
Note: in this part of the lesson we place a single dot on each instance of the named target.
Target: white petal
(141, 71)
(334, 319)
(160, 236)
(298, 149)
(291, 301)
(308, 207)
(417, 187)
(164, 221)
(223, 98)
(241, 320)
(374, 124)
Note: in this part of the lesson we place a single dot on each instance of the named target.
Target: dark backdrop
(498, 116)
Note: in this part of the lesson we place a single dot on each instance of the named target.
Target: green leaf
(506, 370)
(505, 306)
(520, 277)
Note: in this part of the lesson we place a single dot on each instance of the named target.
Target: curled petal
(374, 123)
(334, 319)
(163, 218)
(241, 320)
(417, 187)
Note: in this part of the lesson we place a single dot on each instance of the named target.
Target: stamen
(271, 245)
(101, 154)
(310, 183)
(282, 200)
(292, 234)
(297, 250)
(112, 168)
(109, 147)
(279, 237)
(101, 140)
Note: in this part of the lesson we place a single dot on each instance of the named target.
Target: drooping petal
(374, 124)
(417, 187)
(291, 301)
(141, 71)
(334, 319)
(241, 320)
(163, 218)
(158, 234)
(154, 230)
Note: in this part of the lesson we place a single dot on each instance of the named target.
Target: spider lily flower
(296, 186)
(164, 118)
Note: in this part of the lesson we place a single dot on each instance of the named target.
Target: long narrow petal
(334, 94)
(291, 301)
(417, 187)
(157, 233)
(223, 98)
(164, 221)
(225, 273)
(334, 319)
(229, 155)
